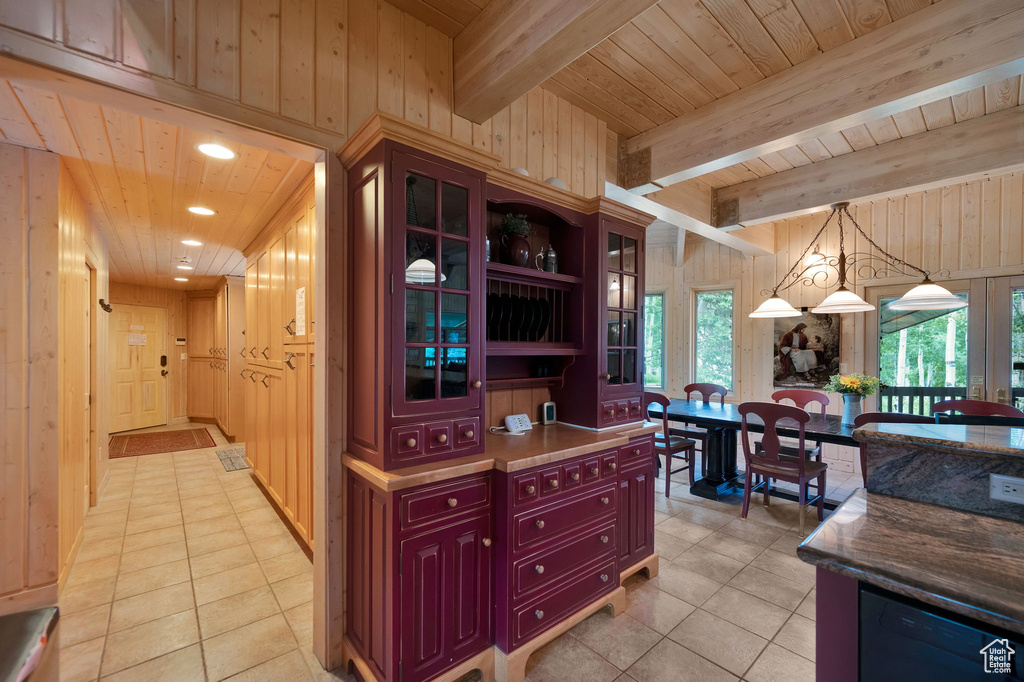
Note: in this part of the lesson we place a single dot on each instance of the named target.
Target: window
(654, 341)
(713, 332)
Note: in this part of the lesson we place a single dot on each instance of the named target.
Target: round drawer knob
(452, 502)
(411, 443)
(553, 483)
(530, 490)
(604, 539)
(487, 542)
(609, 412)
(575, 477)
(612, 466)
(636, 453)
(594, 471)
(538, 568)
(605, 500)
(477, 384)
(636, 408)
(468, 435)
(539, 614)
(604, 577)
(540, 523)
(442, 438)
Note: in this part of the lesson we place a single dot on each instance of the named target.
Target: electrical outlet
(843, 369)
(1006, 488)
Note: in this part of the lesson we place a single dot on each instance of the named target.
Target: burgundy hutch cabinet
(458, 556)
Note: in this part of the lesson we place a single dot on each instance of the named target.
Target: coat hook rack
(106, 306)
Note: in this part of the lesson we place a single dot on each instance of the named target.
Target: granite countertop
(962, 562)
(1001, 440)
(541, 445)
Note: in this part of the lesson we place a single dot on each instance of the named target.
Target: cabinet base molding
(512, 667)
(649, 565)
(483, 661)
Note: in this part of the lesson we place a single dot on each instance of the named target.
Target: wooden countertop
(965, 563)
(541, 445)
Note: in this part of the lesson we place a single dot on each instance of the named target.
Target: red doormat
(133, 445)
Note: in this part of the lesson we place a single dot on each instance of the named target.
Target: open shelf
(523, 382)
(527, 348)
(530, 274)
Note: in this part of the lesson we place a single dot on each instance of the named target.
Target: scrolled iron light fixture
(818, 272)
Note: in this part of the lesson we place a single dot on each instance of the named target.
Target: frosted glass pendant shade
(421, 271)
(775, 306)
(842, 300)
(928, 296)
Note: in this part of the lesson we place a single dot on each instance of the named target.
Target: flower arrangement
(515, 225)
(860, 384)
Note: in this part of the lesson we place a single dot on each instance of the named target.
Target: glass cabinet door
(623, 308)
(432, 284)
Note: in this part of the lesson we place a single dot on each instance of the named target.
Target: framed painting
(806, 350)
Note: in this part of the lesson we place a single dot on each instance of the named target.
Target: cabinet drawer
(467, 432)
(591, 469)
(537, 525)
(407, 441)
(609, 465)
(593, 581)
(572, 475)
(424, 506)
(608, 411)
(550, 481)
(635, 452)
(437, 437)
(542, 569)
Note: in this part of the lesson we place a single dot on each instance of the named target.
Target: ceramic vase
(852, 406)
(516, 250)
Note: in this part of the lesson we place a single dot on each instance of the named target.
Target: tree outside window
(713, 332)
(654, 341)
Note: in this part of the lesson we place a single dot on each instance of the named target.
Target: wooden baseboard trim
(649, 565)
(178, 420)
(31, 598)
(512, 667)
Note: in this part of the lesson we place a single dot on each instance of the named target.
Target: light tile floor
(187, 573)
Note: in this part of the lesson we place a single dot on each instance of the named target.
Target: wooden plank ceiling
(139, 176)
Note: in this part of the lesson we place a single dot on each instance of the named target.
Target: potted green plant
(515, 229)
(853, 388)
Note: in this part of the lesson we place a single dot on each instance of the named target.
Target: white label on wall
(137, 328)
(300, 311)
(136, 339)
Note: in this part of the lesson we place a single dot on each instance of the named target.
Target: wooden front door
(138, 337)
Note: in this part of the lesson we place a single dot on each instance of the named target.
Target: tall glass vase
(852, 406)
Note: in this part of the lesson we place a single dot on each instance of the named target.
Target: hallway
(187, 573)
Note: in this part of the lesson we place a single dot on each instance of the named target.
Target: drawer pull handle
(594, 471)
(612, 466)
(539, 569)
(575, 477)
(553, 483)
(539, 524)
(605, 500)
(452, 502)
(468, 435)
(636, 453)
(442, 438)
(539, 614)
(604, 539)
(288, 361)
(477, 384)
(264, 353)
(604, 577)
(530, 490)
(411, 443)
(487, 542)
(264, 381)
(253, 351)
(288, 328)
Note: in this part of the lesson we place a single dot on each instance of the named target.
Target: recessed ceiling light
(184, 267)
(201, 210)
(181, 279)
(191, 242)
(216, 151)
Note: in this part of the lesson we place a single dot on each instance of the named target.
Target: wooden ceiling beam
(988, 144)
(943, 50)
(513, 46)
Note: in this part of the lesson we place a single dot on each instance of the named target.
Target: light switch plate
(1006, 488)
(843, 367)
(184, 356)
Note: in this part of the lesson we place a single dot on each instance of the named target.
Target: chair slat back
(706, 392)
(771, 414)
(980, 408)
(801, 398)
(664, 402)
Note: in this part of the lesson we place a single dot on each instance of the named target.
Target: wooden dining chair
(767, 462)
(801, 398)
(883, 418)
(669, 442)
(979, 408)
(707, 391)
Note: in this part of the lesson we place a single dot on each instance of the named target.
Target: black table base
(723, 478)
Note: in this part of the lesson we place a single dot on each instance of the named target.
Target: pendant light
(813, 269)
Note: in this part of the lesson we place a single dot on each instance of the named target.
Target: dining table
(723, 422)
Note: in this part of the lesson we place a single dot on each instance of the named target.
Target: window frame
(694, 293)
(664, 340)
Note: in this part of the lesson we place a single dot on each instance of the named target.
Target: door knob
(487, 542)
(164, 372)
(477, 384)
(606, 377)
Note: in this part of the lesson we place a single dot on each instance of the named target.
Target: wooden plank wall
(363, 55)
(176, 303)
(973, 229)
